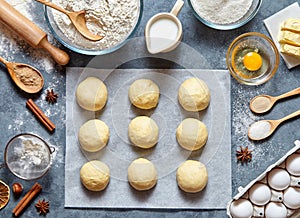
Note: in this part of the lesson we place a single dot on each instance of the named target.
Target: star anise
(244, 155)
(42, 206)
(51, 97)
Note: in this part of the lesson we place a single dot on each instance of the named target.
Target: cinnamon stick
(40, 115)
(26, 200)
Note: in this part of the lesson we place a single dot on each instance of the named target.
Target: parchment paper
(167, 155)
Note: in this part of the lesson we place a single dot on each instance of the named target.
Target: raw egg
(277, 210)
(260, 194)
(291, 198)
(241, 208)
(293, 164)
(252, 61)
(279, 179)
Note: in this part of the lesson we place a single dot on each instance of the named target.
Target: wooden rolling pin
(30, 32)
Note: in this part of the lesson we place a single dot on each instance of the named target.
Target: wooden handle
(3, 60)
(29, 31)
(58, 55)
(290, 116)
(290, 93)
(20, 24)
(52, 5)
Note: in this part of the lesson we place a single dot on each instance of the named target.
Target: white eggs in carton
(275, 193)
(279, 179)
(241, 208)
(291, 197)
(260, 194)
(274, 209)
(292, 164)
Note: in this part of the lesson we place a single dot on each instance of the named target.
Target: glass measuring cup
(28, 156)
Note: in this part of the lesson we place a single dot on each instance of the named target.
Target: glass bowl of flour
(225, 14)
(116, 20)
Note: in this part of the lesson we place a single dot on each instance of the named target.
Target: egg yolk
(252, 61)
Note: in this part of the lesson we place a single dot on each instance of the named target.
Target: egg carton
(275, 191)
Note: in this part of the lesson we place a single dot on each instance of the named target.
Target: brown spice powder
(28, 77)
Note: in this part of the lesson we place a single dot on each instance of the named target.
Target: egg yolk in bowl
(252, 61)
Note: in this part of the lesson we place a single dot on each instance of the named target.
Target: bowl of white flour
(115, 20)
(225, 14)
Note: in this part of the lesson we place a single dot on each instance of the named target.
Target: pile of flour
(113, 19)
(222, 11)
(32, 154)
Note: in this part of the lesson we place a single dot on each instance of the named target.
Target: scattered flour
(222, 11)
(242, 117)
(113, 19)
(14, 48)
(19, 122)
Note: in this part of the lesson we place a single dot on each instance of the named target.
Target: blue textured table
(213, 44)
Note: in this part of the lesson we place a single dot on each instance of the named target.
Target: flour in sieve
(29, 157)
(113, 19)
(222, 11)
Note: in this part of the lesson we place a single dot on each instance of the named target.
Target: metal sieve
(28, 156)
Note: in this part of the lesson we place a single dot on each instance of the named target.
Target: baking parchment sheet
(167, 155)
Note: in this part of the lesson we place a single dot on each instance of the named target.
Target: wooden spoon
(264, 128)
(263, 103)
(77, 18)
(26, 77)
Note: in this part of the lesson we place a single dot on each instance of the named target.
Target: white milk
(163, 34)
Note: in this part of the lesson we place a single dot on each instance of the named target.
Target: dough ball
(192, 176)
(93, 135)
(194, 94)
(144, 94)
(191, 134)
(142, 174)
(143, 132)
(95, 175)
(91, 94)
